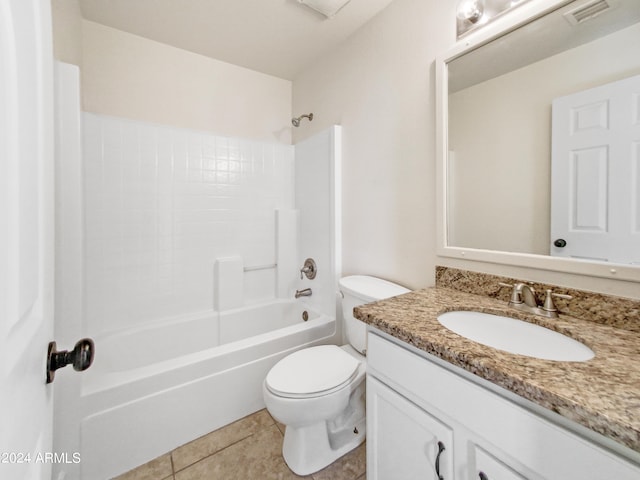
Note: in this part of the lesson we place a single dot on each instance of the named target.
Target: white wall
(161, 204)
(67, 31)
(132, 77)
(379, 85)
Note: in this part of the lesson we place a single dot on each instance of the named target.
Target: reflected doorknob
(560, 243)
(81, 357)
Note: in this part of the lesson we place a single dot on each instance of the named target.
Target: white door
(595, 211)
(26, 238)
(403, 441)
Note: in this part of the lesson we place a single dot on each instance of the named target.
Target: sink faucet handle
(516, 297)
(549, 306)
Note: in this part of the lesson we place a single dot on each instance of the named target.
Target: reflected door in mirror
(595, 174)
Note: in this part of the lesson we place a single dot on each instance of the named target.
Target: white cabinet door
(404, 441)
(492, 434)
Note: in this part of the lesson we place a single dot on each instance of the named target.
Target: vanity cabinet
(415, 401)
(403, 440)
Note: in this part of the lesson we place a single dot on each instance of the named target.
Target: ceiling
(276, 37)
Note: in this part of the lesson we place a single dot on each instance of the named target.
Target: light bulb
(470, 10)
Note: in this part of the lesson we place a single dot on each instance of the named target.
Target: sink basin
(515, 336)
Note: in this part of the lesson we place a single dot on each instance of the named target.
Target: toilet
(318, 393)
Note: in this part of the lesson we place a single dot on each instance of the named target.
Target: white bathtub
(155, 388)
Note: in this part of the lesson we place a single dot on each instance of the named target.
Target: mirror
(497, 132)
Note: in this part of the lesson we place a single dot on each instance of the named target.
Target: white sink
(515, 336)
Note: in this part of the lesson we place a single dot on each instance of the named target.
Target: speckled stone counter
(602, 394)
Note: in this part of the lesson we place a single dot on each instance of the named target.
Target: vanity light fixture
(473, 13)
(470, 10)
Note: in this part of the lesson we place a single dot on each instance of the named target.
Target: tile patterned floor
(248, 449)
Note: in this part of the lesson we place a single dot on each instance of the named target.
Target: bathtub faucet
(303, 293)
(309, 269)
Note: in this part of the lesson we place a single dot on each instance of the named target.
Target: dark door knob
(560, 243)
(81, 357)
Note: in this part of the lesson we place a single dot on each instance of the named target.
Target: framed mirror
(512, 189)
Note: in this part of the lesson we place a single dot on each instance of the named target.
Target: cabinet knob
(440, 450)
(483, 476)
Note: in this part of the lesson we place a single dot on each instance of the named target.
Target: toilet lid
(312, 371)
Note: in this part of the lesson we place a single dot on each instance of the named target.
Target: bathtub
(152, 389)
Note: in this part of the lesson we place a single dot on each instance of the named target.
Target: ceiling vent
(587, 11)
(326, 7)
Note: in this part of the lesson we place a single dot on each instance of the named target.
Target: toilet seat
(312, 372)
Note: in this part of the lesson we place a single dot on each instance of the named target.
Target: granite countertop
(602, 394)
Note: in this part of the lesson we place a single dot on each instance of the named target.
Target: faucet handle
(516, 297)
(549, 306)
(309, 269)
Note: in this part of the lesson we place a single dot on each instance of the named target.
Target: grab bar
(260, 267)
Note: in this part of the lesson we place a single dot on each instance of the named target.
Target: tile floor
(248, 449)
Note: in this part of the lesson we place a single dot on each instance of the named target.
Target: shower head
(296, 121)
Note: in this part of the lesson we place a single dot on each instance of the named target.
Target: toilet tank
(358, 290)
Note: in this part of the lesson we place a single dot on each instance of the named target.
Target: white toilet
(319, 392)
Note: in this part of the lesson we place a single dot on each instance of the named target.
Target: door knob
(81, 357)
(560, 243)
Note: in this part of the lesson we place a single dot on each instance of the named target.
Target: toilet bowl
(318, 393)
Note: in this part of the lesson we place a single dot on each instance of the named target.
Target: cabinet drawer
(401, 368)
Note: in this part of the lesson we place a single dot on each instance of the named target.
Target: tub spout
(303, 293)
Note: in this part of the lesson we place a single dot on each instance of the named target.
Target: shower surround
(179, 253)
(162, 204)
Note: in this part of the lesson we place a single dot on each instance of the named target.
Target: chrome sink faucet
(527, 294)
(523, 297)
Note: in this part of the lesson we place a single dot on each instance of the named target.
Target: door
(404, 441)
(595, 206)
(26, 238)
